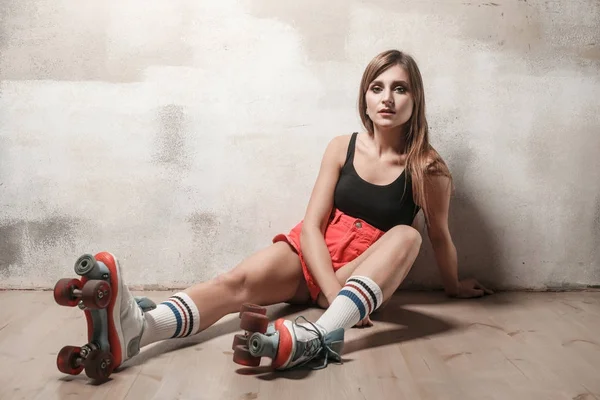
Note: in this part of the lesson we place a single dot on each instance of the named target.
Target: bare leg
(269, 276)
(389, 264)
(376, 275)
(393, 255)
(375, 278)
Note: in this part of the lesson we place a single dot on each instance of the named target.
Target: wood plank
(422, 346)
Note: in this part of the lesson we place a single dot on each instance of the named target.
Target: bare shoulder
(338, 148)
(341, 141)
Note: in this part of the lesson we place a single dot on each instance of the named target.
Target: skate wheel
(248, 307)
(63, 292)
(239, 340)
(99, 365)
(253, 322)
(85, 264)
(242, 356)
(67, 360)
(96, 294)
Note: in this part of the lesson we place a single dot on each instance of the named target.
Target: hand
(323, 301)
(332, 295)
(469, 288)
(366, 322)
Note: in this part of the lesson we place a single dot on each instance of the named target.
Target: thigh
(343, 273)
(273, 275)
(391, 239)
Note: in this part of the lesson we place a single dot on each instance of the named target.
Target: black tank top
(383, 206)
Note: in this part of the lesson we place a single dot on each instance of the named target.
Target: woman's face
(389, 100)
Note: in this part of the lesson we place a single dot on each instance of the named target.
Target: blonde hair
(423, 161)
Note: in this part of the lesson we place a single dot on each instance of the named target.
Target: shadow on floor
(435, 297)
(410, 325)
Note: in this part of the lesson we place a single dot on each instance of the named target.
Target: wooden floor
(423, 346)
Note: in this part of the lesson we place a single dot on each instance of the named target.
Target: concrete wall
(182, 135)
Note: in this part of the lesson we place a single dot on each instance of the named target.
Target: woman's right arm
(320, 205)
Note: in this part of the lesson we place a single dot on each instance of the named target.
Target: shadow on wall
(478, 250)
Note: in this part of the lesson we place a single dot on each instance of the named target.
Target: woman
(351, 251)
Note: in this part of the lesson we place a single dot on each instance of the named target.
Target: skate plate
(92, 293)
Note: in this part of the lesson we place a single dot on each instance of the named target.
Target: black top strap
(351, 146)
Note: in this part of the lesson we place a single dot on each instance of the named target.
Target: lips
(386, 111)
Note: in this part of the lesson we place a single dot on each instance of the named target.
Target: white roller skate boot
(115, 320)
(288, 344)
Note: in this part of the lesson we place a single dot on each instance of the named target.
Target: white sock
(176, 317)
(357, 299)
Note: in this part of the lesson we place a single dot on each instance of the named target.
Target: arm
(314, 249)
(438, 197)
(438, 201)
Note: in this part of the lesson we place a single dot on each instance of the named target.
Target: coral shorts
(346, 238)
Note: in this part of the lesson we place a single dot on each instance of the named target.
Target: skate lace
(314, 347)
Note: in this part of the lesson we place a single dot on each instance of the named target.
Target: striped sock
(357, 299)
(176, 317)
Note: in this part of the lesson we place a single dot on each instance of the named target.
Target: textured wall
(183, 135)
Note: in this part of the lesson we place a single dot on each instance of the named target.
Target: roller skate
(115, 320)
(249, 315)
(288, 344)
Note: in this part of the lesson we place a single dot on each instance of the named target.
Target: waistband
(339, 217)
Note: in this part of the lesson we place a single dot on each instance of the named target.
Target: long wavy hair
(423, 161)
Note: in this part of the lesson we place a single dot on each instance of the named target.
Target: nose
(388, 99)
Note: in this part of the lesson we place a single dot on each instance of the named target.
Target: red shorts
(346, 238)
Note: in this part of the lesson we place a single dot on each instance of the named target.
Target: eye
(400, 89)
(376, 89)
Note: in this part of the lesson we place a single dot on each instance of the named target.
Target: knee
(233, 281)
(405, 245)
(406, 236)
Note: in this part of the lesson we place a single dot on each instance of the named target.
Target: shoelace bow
(315, 347)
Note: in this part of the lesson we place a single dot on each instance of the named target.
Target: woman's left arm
(438, 190)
